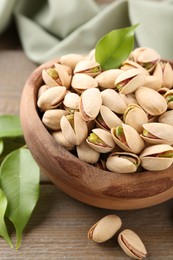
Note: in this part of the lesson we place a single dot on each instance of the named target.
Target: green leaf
(19, 178)
(113, 48)
(1, 146)
(3, 229)
(10, 126)
(9, 145)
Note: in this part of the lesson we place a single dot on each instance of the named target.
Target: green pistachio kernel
(167, 154)
(119, 131)
(93, 138)
(145, 132)
(52, 73)
(169, 98)
(71, 119)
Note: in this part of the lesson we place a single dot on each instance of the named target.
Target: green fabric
(51, 28)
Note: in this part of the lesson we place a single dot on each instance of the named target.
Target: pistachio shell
(71, 59)
(42, 89)
(132, 245)
(166, 118)
(162, 91)
(86, 153)
(113, 101)
(74, 134)
(105, 228)
(89, 67)
(152, 82)
(60, 139)
(71, 101)
(151, 101)
(129, 64)
(64, 77)
(80, 82)
(106, 145)
(107, 78)
(108, 118)
(48, 79)
(135, 116)
(90, 104)
(151, 162)
(167, 76)
(130, 80)
(122, 162)
(159, 133)
(51, 118)
(169, 98)
(129, 99)
(51, 98)
(133, 142)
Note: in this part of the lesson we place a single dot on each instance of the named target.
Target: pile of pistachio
(129, 241)
(119, 119)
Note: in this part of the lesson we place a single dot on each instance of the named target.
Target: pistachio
(81, 82)
(108, 99)
(51, 98)
(42, 89)
(167, 75)
(135, 116)
(86, 153)
(89, 67)
(90, 104)
(166, 118)
(60, 139)
(106, 79)
(74, 128)
(71, 102)
(100, 140)
(122, 162)
(51, 118)
(157, 157)
(107, 119)
(105, 228)
(128, 81)
(151, 101)
(64, 77)
(71, 59)
(157, 133)
(169, 98)
(132, 245)
(127, 138)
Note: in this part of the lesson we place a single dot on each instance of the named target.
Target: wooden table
(59, 225)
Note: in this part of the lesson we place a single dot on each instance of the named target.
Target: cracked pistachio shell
(112, 100)
(106, 79)
(167, 75)
(90, 103)
(122, 162)
(146, 57)
(107, 119)
(74, 128)
(60, 139)
(71, 102)
(129, 64)
(102, 141)
(151, 161)
(89, 67)
(50, 77)
(166, 118)
(51, 118)
(86, 153)
(157, 133)
(105, 228)
(135, 116)
(130, 140)
(64, 77)
(169, 98)
(71, 59)
(151, 101)
(81, 82)
(152, 82)
(128, 81)
(51, 98)
(131, 244)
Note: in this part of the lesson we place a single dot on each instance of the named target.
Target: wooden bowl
(80, 180)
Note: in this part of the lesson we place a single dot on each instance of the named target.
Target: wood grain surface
(59, 224)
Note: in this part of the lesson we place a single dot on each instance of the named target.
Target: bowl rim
(119, 191)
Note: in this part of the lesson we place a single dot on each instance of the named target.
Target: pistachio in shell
(166, 118)
(89, 67)
(105, 228)
(71, 59)
(169, 98)
(60, 139)
(101, 140)
(122, 162)
(131, 244)
(81, 82)
(127, 138)
(151, 101)
(157, 133)
(86, 153)
(157, 157)
(51, 118)
(167, 75)
(106, 79)
(71, 102)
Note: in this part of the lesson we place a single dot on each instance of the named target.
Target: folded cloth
(51, 28)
